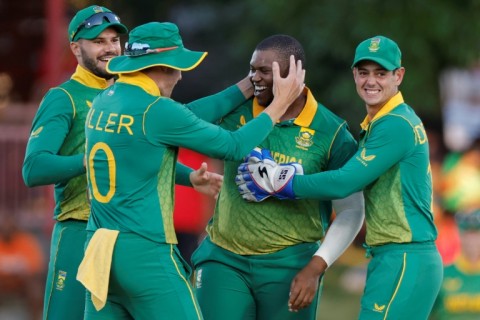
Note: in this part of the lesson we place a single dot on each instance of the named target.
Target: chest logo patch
(304, 139)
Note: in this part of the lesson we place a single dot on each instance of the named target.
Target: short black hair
(284, 45)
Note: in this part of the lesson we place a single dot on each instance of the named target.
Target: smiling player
(56, 149)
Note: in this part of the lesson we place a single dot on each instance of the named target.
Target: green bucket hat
(468, 220)
(155, 44)
(88, 23)
(381, 50)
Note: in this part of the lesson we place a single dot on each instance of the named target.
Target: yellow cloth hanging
(94, 270)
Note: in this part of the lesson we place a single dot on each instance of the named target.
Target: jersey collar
(305, 117)
(141, 80)
(87, 78)
(389, 106)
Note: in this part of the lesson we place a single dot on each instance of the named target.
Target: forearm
(214, 107)
(44, 169)
(350, 214)
(326, 185)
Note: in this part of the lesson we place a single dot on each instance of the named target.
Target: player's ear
(75, 47)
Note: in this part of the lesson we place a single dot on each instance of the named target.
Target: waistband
(411, 246)
(72, 222)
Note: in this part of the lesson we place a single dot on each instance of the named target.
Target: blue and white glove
(260, 177)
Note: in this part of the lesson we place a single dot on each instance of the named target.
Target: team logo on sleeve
(35, 133)
(364, 158)
(304, 139)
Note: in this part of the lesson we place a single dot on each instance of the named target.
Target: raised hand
(206, 182)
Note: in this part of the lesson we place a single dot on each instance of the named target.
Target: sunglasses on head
(96, 20)
(135, 49)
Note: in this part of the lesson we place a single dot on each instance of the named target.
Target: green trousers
(148, 281)
(64, 295)
(235, 287)
(403, 281)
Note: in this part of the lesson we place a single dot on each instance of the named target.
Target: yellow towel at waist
(94, 270)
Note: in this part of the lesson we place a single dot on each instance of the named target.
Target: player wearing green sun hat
(133, 132)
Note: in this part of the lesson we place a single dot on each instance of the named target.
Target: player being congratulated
(392, 167)
(246, 267)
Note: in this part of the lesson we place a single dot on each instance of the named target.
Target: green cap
(381, 50)
(468, 219)
(155, 44)
(88, 23)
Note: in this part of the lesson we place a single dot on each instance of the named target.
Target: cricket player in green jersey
(55, 154)
(245, 266)
(132, 268)
(459, 297)
(392, 168)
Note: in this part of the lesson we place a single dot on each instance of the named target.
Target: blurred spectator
(461, 106)
(448, 242)
(461, 179)
(459, 191)
(6, 85)
(459, 297)
(21, 267)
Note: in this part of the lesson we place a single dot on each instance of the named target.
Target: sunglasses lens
(96, 20)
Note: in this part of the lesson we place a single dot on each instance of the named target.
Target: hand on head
(290, 87)
(285, 90)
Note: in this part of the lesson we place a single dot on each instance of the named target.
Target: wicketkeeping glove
(260, 177)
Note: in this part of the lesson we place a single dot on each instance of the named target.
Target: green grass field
(343, 287)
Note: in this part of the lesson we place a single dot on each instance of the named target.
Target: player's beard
(91, 65)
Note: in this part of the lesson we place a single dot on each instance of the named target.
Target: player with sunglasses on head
(55, 154)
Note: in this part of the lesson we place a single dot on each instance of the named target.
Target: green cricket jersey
(392, 167)
(459, 297)
(56, 147)
(317, 139)
(132, 137)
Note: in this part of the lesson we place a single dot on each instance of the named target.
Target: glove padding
(260, 177)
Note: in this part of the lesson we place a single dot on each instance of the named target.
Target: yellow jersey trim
(141, 80)
(304, 119)
(389, 106)
(87, 78)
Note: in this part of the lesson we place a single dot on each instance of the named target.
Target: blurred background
(440, 45)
